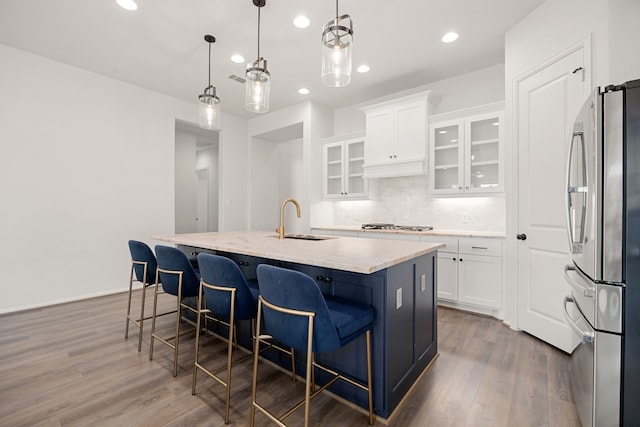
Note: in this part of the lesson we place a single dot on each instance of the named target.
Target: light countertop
(436, 232)
(341, 253)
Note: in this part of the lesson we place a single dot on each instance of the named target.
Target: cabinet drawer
(490, 247)
(450, 243)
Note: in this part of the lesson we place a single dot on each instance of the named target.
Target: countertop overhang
(341, 253)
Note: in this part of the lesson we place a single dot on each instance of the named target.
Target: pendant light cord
(209, 64)
(337, 15)
(259, 32)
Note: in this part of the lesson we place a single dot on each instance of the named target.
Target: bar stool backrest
(297, 291)
(221, 271)
(140, 252)
(175, 260)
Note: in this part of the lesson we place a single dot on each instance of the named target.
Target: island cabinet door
(400, 324)
(425, 308)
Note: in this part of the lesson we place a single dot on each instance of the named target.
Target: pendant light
(337, 41)
(257, 87)
(209, 103)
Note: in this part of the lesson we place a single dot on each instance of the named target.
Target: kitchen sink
(306, 237)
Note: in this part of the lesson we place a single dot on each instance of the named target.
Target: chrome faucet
(280, 230)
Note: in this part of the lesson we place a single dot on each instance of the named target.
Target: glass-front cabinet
(343, 161)
(466, 155)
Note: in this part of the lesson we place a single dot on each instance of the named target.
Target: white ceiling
(161, 45)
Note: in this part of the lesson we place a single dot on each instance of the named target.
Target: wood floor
(70, 365)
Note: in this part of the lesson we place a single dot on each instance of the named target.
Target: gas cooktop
(386, 226)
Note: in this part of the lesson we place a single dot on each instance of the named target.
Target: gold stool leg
(369, 388)
(126, 331)
(195, 360)
(153, 318)
(178, 316)
(141, 321)
(307, 386)
(256, 351)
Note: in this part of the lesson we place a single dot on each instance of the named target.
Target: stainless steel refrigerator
(603, 217)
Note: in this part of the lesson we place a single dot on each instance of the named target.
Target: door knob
(521, 236)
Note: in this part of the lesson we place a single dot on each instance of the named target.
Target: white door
(548, 102)
(202, 200)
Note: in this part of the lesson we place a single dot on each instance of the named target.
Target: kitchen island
(397, 278)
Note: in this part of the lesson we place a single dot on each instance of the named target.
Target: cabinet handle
(460, 187)
(466, 188)
(454, 259)
(521, 236)
(479, 247)
(460, 259)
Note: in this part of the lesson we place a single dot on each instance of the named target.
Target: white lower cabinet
(470, 271)
(447, 276)
(469, 268)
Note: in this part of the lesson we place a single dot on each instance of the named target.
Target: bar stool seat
(297, 314)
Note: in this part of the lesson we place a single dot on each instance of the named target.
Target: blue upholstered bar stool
(143, 271)
(178, 278)
(227, 297)
(296, 313)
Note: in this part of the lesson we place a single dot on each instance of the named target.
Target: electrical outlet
(465, 217)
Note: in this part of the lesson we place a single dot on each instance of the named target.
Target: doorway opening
(196, 178)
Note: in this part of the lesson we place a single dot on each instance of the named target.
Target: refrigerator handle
(587, 292)
(575, 242)
(587, 336)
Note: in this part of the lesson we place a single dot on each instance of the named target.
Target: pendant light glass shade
(208, 102)
(209, 106)
(257, 87)
(258, 84)
(337, 43)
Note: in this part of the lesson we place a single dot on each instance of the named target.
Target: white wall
(265, 197)
(86, 163)
(624, 36)
(185, 182)
(276, 175)
(316, 124)
(207, 158)
(290, 183)
(234, 174)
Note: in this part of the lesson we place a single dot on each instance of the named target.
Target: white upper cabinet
(466, 155)
(396, 140)
(343, 159)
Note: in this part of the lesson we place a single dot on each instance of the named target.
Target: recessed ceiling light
(238, 59)
(301, 21)
(127, 4)
(450, 37)
(363, 68)
(303, 91)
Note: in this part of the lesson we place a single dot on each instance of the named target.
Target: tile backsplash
(406, 201)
